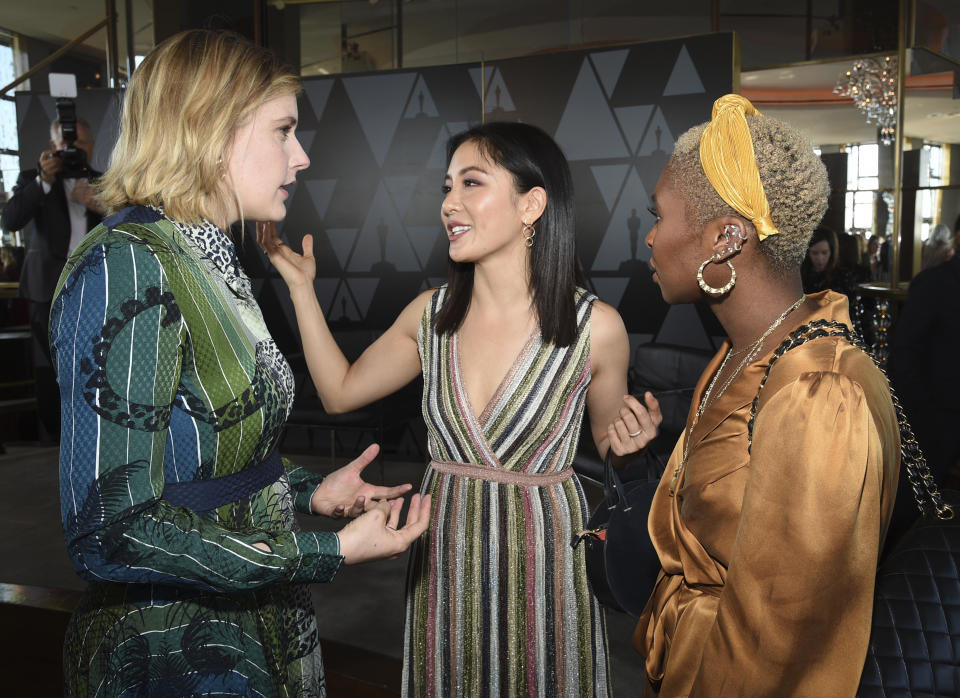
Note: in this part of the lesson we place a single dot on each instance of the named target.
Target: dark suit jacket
(47, 248)
(924, 363)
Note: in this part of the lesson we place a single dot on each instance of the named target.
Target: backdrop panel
(372, 197)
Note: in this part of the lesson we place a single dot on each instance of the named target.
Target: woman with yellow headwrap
(768, 550)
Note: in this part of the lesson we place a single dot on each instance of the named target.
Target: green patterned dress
(168, 375)
(498, 602)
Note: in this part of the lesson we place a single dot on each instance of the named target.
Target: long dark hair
(821, 234)
(534, 160)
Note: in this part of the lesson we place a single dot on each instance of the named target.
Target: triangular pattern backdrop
(379, 153)
(371, 197)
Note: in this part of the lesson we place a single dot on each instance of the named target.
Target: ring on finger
(636, 433)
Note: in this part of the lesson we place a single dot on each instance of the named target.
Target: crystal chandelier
(872, 84)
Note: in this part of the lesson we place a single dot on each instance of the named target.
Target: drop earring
(528, 232)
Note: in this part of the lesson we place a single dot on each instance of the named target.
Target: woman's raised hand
(375, 534)
(345, 493)
(296, 269)
(636, 425)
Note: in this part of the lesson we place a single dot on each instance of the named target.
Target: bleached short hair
(794, 180)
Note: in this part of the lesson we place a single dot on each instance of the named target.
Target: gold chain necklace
(705, 400)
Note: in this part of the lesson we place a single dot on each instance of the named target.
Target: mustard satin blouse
(769, 558)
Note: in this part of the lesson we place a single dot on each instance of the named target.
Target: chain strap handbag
(914, 645)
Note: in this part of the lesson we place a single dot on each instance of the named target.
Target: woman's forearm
(327, 365)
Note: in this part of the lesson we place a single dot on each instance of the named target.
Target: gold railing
(55, 55)
(110, 23)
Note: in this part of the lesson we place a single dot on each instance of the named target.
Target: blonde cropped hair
(182, 108)
(793, 177)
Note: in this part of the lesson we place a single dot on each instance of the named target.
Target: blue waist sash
(205, 495)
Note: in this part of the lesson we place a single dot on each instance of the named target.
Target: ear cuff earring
(733, 236)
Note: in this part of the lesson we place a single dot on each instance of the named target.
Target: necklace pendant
(676, 477)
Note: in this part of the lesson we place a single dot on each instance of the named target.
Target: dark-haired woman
(510, 349)
(819, 268)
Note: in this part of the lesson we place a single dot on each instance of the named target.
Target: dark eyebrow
(468, 168)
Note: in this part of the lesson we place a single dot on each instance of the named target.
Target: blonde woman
(176, 506)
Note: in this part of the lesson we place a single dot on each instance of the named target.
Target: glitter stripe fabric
(497, 600)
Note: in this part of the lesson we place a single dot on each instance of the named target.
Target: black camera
(63, 88)
(73, 159)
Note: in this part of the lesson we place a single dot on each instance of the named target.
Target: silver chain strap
(925, 490)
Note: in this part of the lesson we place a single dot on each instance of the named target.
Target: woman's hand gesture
(375, 535)
(296, 269)
(345, 493)
(636, 425)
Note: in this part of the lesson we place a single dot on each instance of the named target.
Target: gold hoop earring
(528, 232)
(710, 290)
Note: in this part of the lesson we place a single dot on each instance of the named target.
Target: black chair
(18, 399)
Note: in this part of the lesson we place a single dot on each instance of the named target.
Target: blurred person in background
(939, 247)
(62, 209)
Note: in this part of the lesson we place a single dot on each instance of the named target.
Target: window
(9, 154)
(928, 200)
(862, 184)
(863, 187)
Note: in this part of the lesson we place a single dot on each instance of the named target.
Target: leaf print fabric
(168, 374)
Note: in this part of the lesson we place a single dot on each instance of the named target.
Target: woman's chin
(458, 255)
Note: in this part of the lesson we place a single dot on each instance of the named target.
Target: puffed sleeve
(116, 526)
(794, 615)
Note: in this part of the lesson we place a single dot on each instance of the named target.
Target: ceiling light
(872, 84)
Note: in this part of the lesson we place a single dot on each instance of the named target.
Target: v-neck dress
(498, 602)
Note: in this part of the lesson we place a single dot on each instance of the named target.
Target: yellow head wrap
(728, 160)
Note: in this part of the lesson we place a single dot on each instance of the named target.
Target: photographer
(59, 198)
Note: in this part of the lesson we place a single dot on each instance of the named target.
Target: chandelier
(872, 84)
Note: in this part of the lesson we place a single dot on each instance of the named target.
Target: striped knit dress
(498, 602)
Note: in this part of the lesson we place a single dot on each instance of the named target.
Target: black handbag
(914, 645)
(622, 565)
(915, 638)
